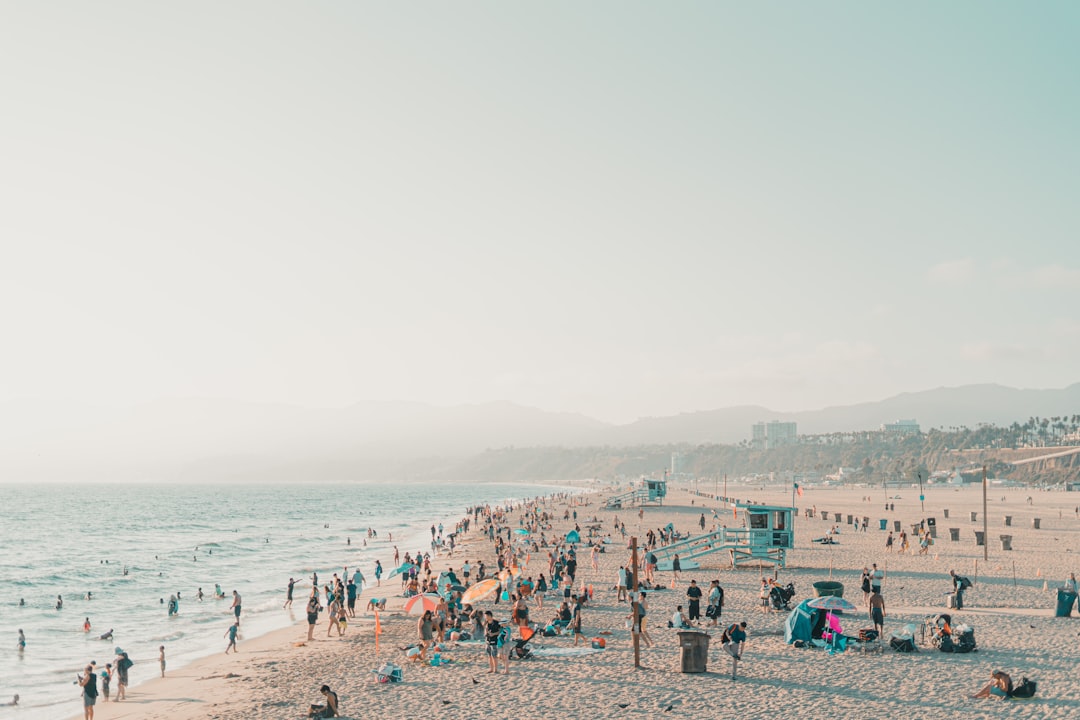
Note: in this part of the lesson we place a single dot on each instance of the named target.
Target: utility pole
(725, 486)
(634, 618)
(922, 498)
(986, 535)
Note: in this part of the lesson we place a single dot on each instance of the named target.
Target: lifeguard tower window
(759, 521)
(778, 520)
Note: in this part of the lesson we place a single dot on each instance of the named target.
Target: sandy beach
(1011, 608)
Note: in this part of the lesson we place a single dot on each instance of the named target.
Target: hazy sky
(614, 208)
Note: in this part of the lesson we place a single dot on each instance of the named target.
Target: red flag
(798, 489)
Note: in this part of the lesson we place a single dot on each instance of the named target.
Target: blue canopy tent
(573, 537)
(804, 623)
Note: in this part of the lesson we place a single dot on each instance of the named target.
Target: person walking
(231, 634)
(716, 602)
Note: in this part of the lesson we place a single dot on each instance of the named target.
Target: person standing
(1070, 584)
(876, 579)
(236, 604)
(492, 630)
(123, 664)
(231, 634)
(88, 681)
(22, 642)
(106, 678)
(876, 604)
(575, 621)
(161, 659)
(889, 542)
(350, 596)
(378, 574)
(693, 597)
(733, 639)
(676, 566)
(288, 594)
(716, 602)
(639, 621)
(866, 584)
(312, 613)
(620, 585)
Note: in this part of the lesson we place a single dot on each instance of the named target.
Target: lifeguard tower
(649, 491)
(766, 537)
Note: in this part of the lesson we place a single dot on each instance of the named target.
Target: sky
(621, 209)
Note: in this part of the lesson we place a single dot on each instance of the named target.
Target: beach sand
(279, 675)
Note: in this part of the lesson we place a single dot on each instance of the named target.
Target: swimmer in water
(22, 641)
(59, 603)
(106, 636)
(14, 700)
(199, 595)
(86, 625)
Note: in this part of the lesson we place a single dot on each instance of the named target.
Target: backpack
(1025, 689)
(964, 583)
(726, 636)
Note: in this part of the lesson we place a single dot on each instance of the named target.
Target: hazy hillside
(221, 439)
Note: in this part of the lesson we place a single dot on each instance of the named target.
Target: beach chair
(388, 673)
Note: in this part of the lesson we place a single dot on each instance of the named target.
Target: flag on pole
(378, 630)
(798, 489)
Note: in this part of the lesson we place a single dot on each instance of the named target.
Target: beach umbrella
(479, 591)
(831, 603)
(417, 604)
(521, 531)
(403, 568)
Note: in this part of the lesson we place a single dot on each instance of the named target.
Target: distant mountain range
(207, 439)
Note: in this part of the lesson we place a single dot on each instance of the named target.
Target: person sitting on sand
(679, 620)
(1000, 685)
(330, 709)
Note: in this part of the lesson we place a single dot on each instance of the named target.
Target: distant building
(773, 434)
(901, 427)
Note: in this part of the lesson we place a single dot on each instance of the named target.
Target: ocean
(70, 540)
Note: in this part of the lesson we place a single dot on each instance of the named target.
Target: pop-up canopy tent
(804, 623)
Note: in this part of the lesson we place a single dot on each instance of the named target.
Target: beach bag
(904, 645)
(1025, 689)
(550, 631)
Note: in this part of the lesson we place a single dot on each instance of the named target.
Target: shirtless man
(877, 612)
(236, 606)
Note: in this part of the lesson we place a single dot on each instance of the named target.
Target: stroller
(780, 597)
(521, 649)
(945, 638)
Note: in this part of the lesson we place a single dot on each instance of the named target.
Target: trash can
(980, 537)
(695, 650)
(1008, 520)
(849, 519)
(1035, 522)
(931, 523)
(1065, 603)
(896, 525)
(1006, 542)
(825, 515)
(883, 523)
(954, 534)
(839, 517)
(825, 588)
(945, 512)
(810, 512)
(974, 516)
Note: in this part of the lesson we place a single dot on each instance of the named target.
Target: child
(161, 659)
(106, 678)
(231, 633)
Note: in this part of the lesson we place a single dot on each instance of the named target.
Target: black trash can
(896, 525)
(980, 537)
(695, 650)
(1065, 603)
(954, 534)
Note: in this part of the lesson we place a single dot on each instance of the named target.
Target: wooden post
(634, 603)
(986, 534)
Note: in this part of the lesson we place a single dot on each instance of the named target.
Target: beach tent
(573, 537)
(804, 623)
